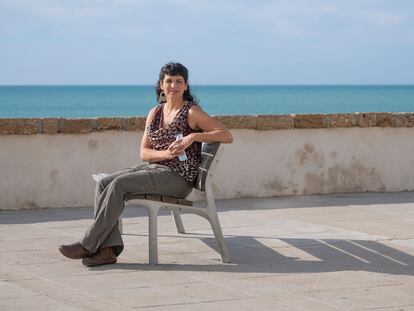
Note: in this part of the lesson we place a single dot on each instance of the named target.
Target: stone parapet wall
(28, 126)
(271, 155)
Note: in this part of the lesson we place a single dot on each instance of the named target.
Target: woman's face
(173, 86)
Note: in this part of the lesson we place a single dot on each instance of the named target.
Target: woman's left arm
(213, 130)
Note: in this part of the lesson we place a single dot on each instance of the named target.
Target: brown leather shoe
(104, 256)
(74, 251)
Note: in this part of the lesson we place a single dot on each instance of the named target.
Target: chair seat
(158, 198)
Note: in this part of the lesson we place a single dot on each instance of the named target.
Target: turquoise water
(100, 101)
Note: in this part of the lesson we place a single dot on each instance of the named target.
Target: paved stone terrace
(331, 252)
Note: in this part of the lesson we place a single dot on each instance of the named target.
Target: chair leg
(214, 221)
(215, 225)
(178, 222)
(120, 225)
(152, 235)
(218, 234)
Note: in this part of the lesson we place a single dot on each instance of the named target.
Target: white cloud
(72, 9)
(288, 18)
(384, 18)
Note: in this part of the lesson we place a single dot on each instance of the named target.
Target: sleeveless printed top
(161, 138)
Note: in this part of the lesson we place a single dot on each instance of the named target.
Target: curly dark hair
(174, 69)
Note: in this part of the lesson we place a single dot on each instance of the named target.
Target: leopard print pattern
(161, 138)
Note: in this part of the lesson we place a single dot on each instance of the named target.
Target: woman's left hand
(179, 146)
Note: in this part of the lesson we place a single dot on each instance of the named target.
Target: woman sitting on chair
(168, 172)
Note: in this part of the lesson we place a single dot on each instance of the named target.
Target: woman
(167, 172)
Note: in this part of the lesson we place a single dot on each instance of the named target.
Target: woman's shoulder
(152, 113)
(196, 116)
(196, 111)
(154, 109)
(194, 108)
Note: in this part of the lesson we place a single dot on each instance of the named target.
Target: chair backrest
(208, 153)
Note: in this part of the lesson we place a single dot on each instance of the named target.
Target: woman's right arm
(147, 153)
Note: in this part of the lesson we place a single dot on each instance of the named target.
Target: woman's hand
(178, 147)
(168, 155)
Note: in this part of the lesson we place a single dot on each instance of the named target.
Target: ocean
(129, 100)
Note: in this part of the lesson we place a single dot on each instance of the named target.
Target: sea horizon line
(208, 85)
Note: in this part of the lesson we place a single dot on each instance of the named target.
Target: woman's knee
(140, 182)
(118, 183)
(100, 185)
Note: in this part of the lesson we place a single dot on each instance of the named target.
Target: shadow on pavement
(327, 255)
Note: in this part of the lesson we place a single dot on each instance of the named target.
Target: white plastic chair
(153, 203)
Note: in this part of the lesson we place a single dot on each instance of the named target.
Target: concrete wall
(54, 170)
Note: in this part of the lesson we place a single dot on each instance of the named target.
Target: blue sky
(221, 42)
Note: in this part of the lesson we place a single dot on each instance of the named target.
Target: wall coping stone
(29, 126)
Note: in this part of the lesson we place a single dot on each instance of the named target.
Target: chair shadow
(327, 255)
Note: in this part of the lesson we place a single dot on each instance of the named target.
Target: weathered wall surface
(55, 170)
(49, 162)
(292, 162)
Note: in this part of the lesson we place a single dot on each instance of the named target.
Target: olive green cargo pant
(109, 200)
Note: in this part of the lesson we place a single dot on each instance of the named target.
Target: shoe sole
(101, 263)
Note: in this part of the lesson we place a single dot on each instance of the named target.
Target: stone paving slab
(329, 252)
